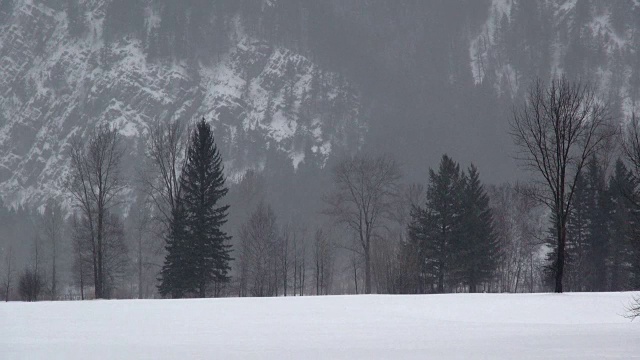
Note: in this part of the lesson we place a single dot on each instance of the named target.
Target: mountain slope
(263, 100)
(289, 82)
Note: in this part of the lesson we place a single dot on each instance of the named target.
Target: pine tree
(203, 185)
(479, 251)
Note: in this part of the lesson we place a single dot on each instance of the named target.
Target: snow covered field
(459, 326)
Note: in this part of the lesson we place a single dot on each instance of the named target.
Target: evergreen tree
(438, 227)
(598, 232)
(621, 258)
(175, 273)
(197, 249)
(203, 185)
(479, 250)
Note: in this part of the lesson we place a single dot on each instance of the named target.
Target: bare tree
(363, 197)
(299, 250)
(355, 264)
(53, 227)
(82, 253)
(147, 249)
(631, 149)
(518, 221)
(323, 258)
(166, 145)
(36, 257)
(557, 129)
(9, 262)
(397, 268)
(116, 259)
(259, 238)
(285, 256)
(95, 184)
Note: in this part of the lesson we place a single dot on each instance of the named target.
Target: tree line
(181, 230)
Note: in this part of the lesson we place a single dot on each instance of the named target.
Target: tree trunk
(515, 289)
(303, 275)
(98, 277)
(562, 233)
(140, 267)
(202, 293)
(355, 275)
(9, 274)
(53, 274)
(367, 272)
(81, 281)
(295, 274)
(531, 274)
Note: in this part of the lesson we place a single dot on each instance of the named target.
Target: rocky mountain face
(291, 85)
(593, 40)
(266, 102)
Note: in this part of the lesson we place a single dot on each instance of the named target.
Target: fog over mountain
(292, 85)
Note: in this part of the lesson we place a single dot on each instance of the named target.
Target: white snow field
(459, 326)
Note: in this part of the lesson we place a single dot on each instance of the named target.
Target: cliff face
(289, 82)
(592, 40)
(263, 100)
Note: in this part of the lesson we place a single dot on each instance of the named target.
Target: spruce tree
(598, 232)
(621, 257)
(176, 273)
(203, 187)
(479, 250)
(437, 227)
(197, 249)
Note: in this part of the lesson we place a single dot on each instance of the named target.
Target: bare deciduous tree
(299, 252)
(9, 263)
(286, 241)
(147, 247)
(397, 266)
(53, 227)
(364, 195)
(631, 146)
(166, 146)
(95, 184)
(519, 222)
(82, 253)
(323, 256)
(259, 240)
(115, 257)
(557, 129)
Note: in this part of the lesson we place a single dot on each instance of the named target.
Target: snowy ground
(461, 326)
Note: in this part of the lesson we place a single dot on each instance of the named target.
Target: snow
(297, 158)
(456, 326)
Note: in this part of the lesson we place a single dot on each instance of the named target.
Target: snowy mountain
(296, 82)
(589, 39)
(264, 100)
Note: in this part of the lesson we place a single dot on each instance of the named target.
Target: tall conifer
(197, 249)
(478, 256)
